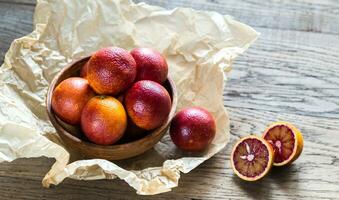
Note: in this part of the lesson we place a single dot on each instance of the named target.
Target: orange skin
(83, 72)
(111, 71)
(103, 120)
(192, 129)
(148, 104)
(151, 65)
(70, 97)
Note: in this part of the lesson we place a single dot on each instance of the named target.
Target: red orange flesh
(252, 158)
(287, 141)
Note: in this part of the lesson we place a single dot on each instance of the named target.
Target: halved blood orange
(252, 158)
(286, 140)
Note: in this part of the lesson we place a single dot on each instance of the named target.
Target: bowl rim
(61, 130)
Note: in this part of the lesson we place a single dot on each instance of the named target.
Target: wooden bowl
(75, 140)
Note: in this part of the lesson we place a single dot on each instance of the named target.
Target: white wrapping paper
(199, 47)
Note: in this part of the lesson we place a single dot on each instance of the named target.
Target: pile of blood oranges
(252, 157)
(117, 89)
(119, 97)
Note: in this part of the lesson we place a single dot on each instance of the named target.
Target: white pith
(249, 156)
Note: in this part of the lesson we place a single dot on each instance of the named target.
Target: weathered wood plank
(302, 15)
(20, 2)
(290, 73)
(15, 22)
(314, 175)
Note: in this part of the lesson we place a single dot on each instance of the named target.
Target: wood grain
(15, 22)
(291, 73)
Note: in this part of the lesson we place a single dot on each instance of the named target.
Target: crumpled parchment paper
(199, 47)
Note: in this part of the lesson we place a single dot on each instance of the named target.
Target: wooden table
(291, 73)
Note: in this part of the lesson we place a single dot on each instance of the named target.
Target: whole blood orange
(151, 65)
(287, 141)
(192, 129)
(148, 104)
(70, 97)
(103, 120)
(252, 158)
(111, 70)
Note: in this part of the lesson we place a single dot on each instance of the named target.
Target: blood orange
(252, 158)
(286, 140)
(103, 120)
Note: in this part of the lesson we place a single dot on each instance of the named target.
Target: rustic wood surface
(291, 73)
